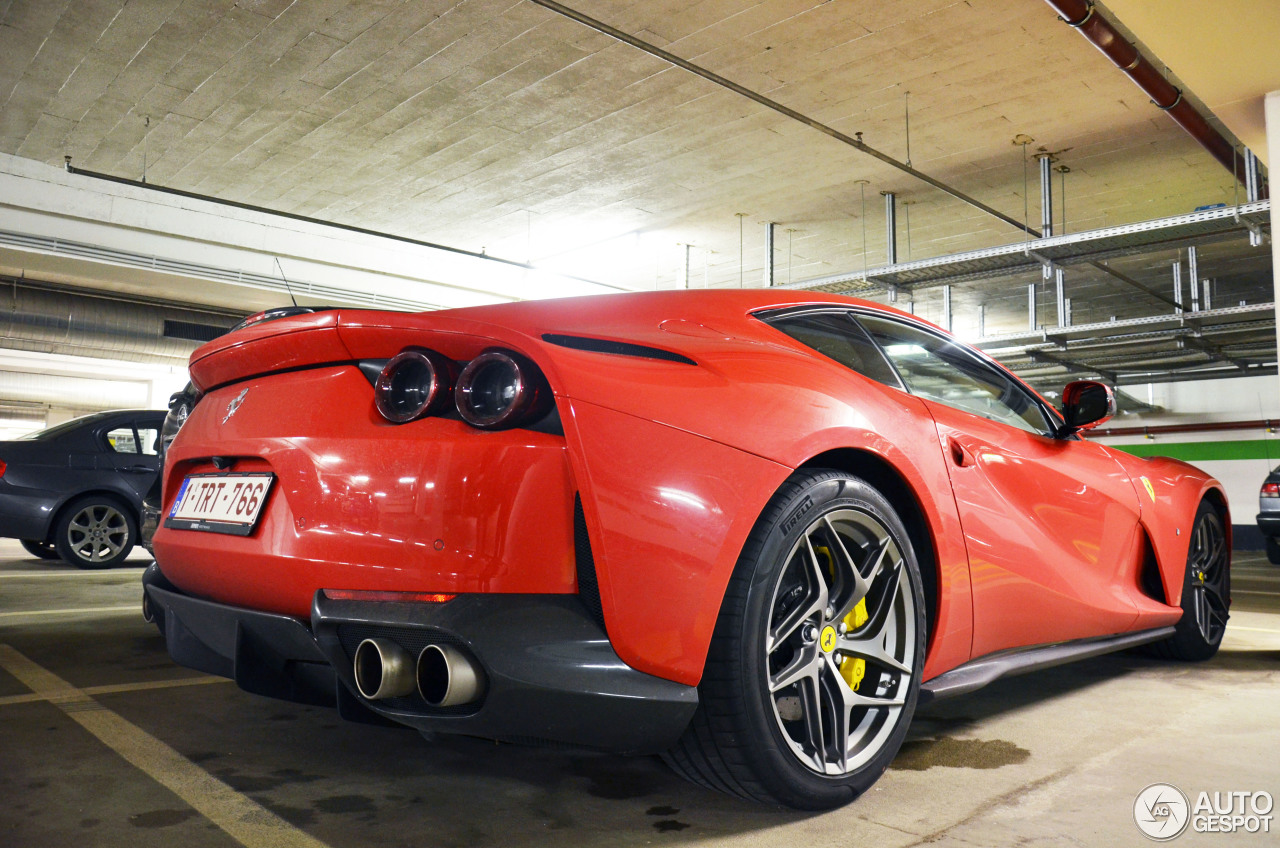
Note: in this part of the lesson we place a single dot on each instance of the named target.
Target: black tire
(1273, 550)
(791, 642)
(1206, 592)
(42, 550)
(95, 531)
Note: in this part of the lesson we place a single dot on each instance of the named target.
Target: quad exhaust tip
(383, 669)
(446, 678)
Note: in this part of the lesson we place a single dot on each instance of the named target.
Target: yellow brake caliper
(853, 669)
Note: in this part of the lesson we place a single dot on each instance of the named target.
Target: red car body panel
(673, 463)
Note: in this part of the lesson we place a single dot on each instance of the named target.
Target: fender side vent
(588, 583)
(1149, 578)
(619, 348)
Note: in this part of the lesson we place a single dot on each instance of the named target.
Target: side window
(941, 370)
(835, 335)
(149, 440)
(123, 440)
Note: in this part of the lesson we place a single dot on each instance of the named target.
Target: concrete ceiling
(501, 125)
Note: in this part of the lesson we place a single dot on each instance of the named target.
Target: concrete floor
(105, 742)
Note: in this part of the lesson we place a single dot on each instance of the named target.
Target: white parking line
(242, 818)
(116, 610)
(1234, 627)
(78, 573)
(115, 688)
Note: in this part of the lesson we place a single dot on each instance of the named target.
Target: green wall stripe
(1207, 451)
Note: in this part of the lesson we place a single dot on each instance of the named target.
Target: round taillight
(498, 390)
(412, 384)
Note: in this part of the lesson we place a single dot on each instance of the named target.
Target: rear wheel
(1206, 590)
(96, 531)
(1273, 550)
(43, 550)
(814, 669)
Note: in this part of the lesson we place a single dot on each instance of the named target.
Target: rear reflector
(396, 597)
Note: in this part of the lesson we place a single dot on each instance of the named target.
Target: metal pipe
(446, 678)
(768, 253)
(1212, 427)
(1177, 287)
(982, 320)
(946, 308)
(1252, 177)
(1031, 307)
(1062, 297)
(855, 141)
(1089, 22)
(383, 669)
(1046, 196)
(891, 227)
(1252, 190)
(1193, 278)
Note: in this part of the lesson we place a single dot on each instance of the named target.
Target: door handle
(138, 469)
(959, 453)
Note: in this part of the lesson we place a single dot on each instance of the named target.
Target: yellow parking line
(1235, 627)
(243, 819)
(74, 611)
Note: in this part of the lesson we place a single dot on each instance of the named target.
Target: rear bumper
(552, 676)
(26, 513)
(1269, 523)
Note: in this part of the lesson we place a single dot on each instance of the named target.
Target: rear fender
(1170, 492)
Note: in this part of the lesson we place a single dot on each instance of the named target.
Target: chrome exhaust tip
(148, 611)
(383, 669)
(446, 678)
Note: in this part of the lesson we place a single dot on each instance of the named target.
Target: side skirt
(974, 675)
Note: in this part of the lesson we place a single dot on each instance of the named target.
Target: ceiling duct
(1084, 17)
(80, 392)
(46, 320)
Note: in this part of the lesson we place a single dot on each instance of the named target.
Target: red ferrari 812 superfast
(749, 530)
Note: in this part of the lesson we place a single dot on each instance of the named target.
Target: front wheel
(814, 668)
(95, 532)
(1206, 592)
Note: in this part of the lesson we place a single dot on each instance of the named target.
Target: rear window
(836, 336)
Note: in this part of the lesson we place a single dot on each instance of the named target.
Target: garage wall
(1240, 459)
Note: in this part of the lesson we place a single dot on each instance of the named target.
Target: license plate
(220, 503)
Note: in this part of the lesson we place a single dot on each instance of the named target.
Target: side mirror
(1086, 404)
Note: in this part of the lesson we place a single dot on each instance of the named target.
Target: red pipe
(1086, 19)
(1210, 427)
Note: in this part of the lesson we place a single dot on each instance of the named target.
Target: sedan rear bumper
(551, 674)
(1269, 523)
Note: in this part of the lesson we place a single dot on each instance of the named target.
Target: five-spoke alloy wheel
(95, 532)
(814, 668)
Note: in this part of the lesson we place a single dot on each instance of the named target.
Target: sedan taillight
(1270, 490)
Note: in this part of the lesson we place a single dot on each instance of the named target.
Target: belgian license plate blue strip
(220, 503)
